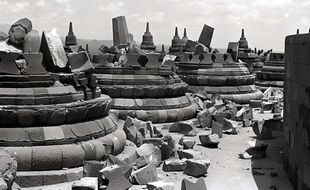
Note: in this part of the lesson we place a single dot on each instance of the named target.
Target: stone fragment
(188, 185)
(205, 118)
(168, 147)
(188, 154)
(3, 36)
(129, 154)
(32, 42)
(184, 127)
(197, 168)
(160, 185)
(91, 168)
(19, 30)
(261, 130)
(151, 153)
(8, 168)
(173, 165)
(202, 95)
(8, 48)
(144, 175)
(115, 177)
(54, 55)
(79, 62)
(267, 106)
(230, 127)
(255, 103)
(257, 149)
(188, 144)
(86, 183)
(217, 128)
(210, 140)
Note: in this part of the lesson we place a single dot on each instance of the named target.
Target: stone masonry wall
(297, 110)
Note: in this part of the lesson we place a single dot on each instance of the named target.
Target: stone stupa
(51, 122)
(272, 73)
(147, 40)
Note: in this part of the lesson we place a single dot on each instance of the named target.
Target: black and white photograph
(154, 95)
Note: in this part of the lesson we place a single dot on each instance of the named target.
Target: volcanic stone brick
(72, 155)
(32, 42)
(8, 65)
(86, 183)
(151, 153)
(188, 185)
(205, 118)
(54, 54)
(144, 175)
(188, 154)
(46, 158)
(80, 62)
(217, 128)
(160, 185)
(197, 168)
(210, 140)
(206, 35)
(173, 165)
(261, 130)
(115, 175)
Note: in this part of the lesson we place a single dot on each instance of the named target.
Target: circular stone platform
(150, 93)
(217, 73)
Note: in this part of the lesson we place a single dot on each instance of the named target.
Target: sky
(266, 22)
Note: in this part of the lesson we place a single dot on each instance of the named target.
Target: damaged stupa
(247, 55)
(272, 73)
(52, 121)
(144, 89)
(217, 73)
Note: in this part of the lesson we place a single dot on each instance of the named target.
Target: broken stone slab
(144, 175)
(54, 55)
(196, 168)
(80, 62)
(244, 113)
(217, 128)
(184, 127)
(8, 167)
(160, 185)
(129, 154)
(257, 149)
(210, 140)
(189, 154)
(201, 94)
(86, 183)
(261, 130)
(205, 118)
(206, 35)
(230, 127)
(173, 165)
(115, 177)
(199, 184)
(151, 153)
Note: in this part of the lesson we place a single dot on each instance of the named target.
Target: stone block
(72, 155)
(160, 185)
(92, 168)
(144, 175)
(173, 165)
(46, 158)
(80, 62)
(217, 128)
(210, 140)
(189, 154)
(86, 183)
(116, 177)
(197, 168)
(188, 185)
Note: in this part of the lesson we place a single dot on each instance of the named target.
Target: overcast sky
(266, 22)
